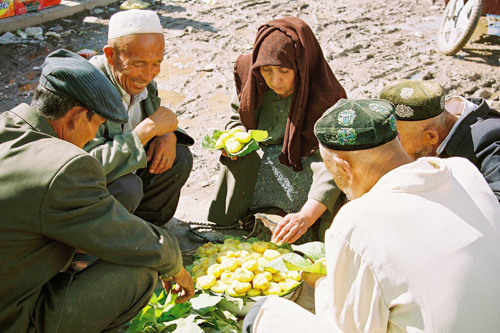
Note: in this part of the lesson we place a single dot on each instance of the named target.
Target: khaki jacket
(53, 201)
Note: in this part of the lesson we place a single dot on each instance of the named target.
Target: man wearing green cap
(417, 248)
(429, 126)
(145, 171)
(54, 200)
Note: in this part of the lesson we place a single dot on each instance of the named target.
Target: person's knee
(128, 190)
(145, 277)
(184, 160)
(141, 282)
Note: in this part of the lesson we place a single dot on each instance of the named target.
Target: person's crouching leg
(162, 191)
(102, 298)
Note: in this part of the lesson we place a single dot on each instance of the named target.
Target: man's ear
(110, 54)
(346, 166)
(430, 136)
(76, 112)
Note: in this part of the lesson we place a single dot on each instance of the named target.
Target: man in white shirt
(417, 248)
(431, 126)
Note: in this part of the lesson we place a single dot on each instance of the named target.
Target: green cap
(356, 124)
(414, 99)
(67, 74)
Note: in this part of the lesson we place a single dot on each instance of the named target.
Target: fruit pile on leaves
(235, 142)
(243, 271)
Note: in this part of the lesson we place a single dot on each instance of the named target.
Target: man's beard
(342, 181)
(423, 152)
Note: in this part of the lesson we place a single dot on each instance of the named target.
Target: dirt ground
(368, 43)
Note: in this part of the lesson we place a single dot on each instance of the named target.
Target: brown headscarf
(290, 43)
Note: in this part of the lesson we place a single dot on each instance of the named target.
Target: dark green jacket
(53, 201)
(122, 153)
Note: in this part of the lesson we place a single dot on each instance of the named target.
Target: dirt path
(368, 43)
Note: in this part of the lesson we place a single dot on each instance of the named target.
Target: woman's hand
(292, 226)
(225, 155)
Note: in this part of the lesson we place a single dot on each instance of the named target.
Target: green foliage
(313, 250)
(208, 143)
(199, 315)
(295, 262)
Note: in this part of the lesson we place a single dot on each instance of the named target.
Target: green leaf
(153, 301)
(318, 267)
(208, 143)
(247, 148)
(186, 325)
(145, 318)
(136, 325)
(252, 240)
(239, 301)
(286, 246)
(205, 301)
(229, 315)
(175, 311)
(226, 327)
(216, 134)
(223, 323)
(313, 250)
(295, 262)
(282, 264)
(161, 298)
(258, 135)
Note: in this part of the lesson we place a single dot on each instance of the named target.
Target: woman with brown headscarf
(283, 87)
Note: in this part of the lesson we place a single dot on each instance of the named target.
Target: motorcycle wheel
(458, 24)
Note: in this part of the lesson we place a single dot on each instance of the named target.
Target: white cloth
(134, 109)
(134, 22)
(420, 252)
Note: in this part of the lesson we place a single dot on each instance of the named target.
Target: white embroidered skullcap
(134, 22)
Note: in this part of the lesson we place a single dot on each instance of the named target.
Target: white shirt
(420, 252)
(133, 109)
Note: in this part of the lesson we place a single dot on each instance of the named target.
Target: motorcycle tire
(455, 32)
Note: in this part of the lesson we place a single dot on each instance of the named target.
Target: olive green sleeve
(122, 154)
(323, 188)
(79, 211)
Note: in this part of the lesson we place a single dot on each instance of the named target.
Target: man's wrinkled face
(410, 137)
(135, 60)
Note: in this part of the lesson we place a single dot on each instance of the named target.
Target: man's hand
(162, 121)
(295, 225)
(184, 286)
(162, 153)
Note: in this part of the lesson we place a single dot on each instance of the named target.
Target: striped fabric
(67, 74)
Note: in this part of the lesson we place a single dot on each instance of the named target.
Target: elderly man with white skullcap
(146, 165)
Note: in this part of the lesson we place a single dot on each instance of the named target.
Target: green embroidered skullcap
(67, 74)
(414, 99)
(356, 124)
